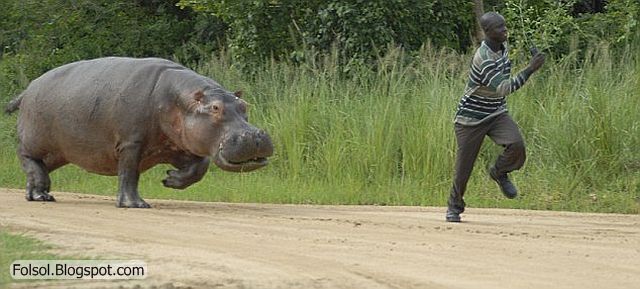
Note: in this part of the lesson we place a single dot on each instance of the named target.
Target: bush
(563, 26)
(359, 30)
(39, 35)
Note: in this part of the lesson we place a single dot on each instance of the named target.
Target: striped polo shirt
(489, 83)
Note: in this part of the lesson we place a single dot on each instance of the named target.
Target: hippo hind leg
(191, 169)
(38, 181)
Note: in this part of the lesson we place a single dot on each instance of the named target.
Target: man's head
(494, 27)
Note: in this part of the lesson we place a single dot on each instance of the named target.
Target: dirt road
(220, 245)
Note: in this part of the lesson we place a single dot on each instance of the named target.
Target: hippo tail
(13, 105)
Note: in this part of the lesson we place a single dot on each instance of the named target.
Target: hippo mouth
(244, 152)
(239, 165)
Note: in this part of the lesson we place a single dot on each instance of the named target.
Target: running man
(482, 111)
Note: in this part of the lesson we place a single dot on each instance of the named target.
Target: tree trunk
(478, 10)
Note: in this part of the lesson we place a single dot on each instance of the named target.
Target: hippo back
(83, 111)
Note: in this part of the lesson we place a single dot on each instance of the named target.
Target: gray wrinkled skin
(122, 116)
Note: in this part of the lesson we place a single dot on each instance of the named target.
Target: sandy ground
(221, 245)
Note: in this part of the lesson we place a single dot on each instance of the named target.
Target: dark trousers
(503, 131)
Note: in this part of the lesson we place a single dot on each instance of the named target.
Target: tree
(478, 10)
(360, 30)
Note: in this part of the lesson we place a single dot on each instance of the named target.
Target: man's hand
(536, 62)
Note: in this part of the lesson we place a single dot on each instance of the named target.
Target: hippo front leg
(191, 169)
(128, 176)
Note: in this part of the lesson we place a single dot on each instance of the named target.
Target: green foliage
(362, 29)
(541, 23)
(549, 24)
(618, 25)
(359, 30)
(39, 35)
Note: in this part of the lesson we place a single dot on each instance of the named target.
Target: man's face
(496, 29)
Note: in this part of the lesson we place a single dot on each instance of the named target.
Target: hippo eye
(215, 108)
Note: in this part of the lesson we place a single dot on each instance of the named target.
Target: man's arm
(502, 83)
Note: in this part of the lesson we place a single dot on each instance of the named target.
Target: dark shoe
(456, 206)
(508, 188)
(453, 216)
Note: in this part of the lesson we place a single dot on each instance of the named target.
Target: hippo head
(213, 122)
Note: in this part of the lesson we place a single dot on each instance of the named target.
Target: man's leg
(504, 131)
(469, 140)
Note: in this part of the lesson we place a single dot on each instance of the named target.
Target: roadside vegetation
(20, 247)
(378, 129)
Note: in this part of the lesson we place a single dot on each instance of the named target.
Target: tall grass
(385, 135)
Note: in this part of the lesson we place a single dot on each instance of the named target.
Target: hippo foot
(39, 197)
(175, 180)
(137, 203)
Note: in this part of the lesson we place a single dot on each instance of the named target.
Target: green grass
(385, 136)
(20, 247)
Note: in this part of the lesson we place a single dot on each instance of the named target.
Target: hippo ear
(238, 94)
(192, 101)
(198, 95)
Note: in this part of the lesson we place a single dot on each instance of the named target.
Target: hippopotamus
(121, 116)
